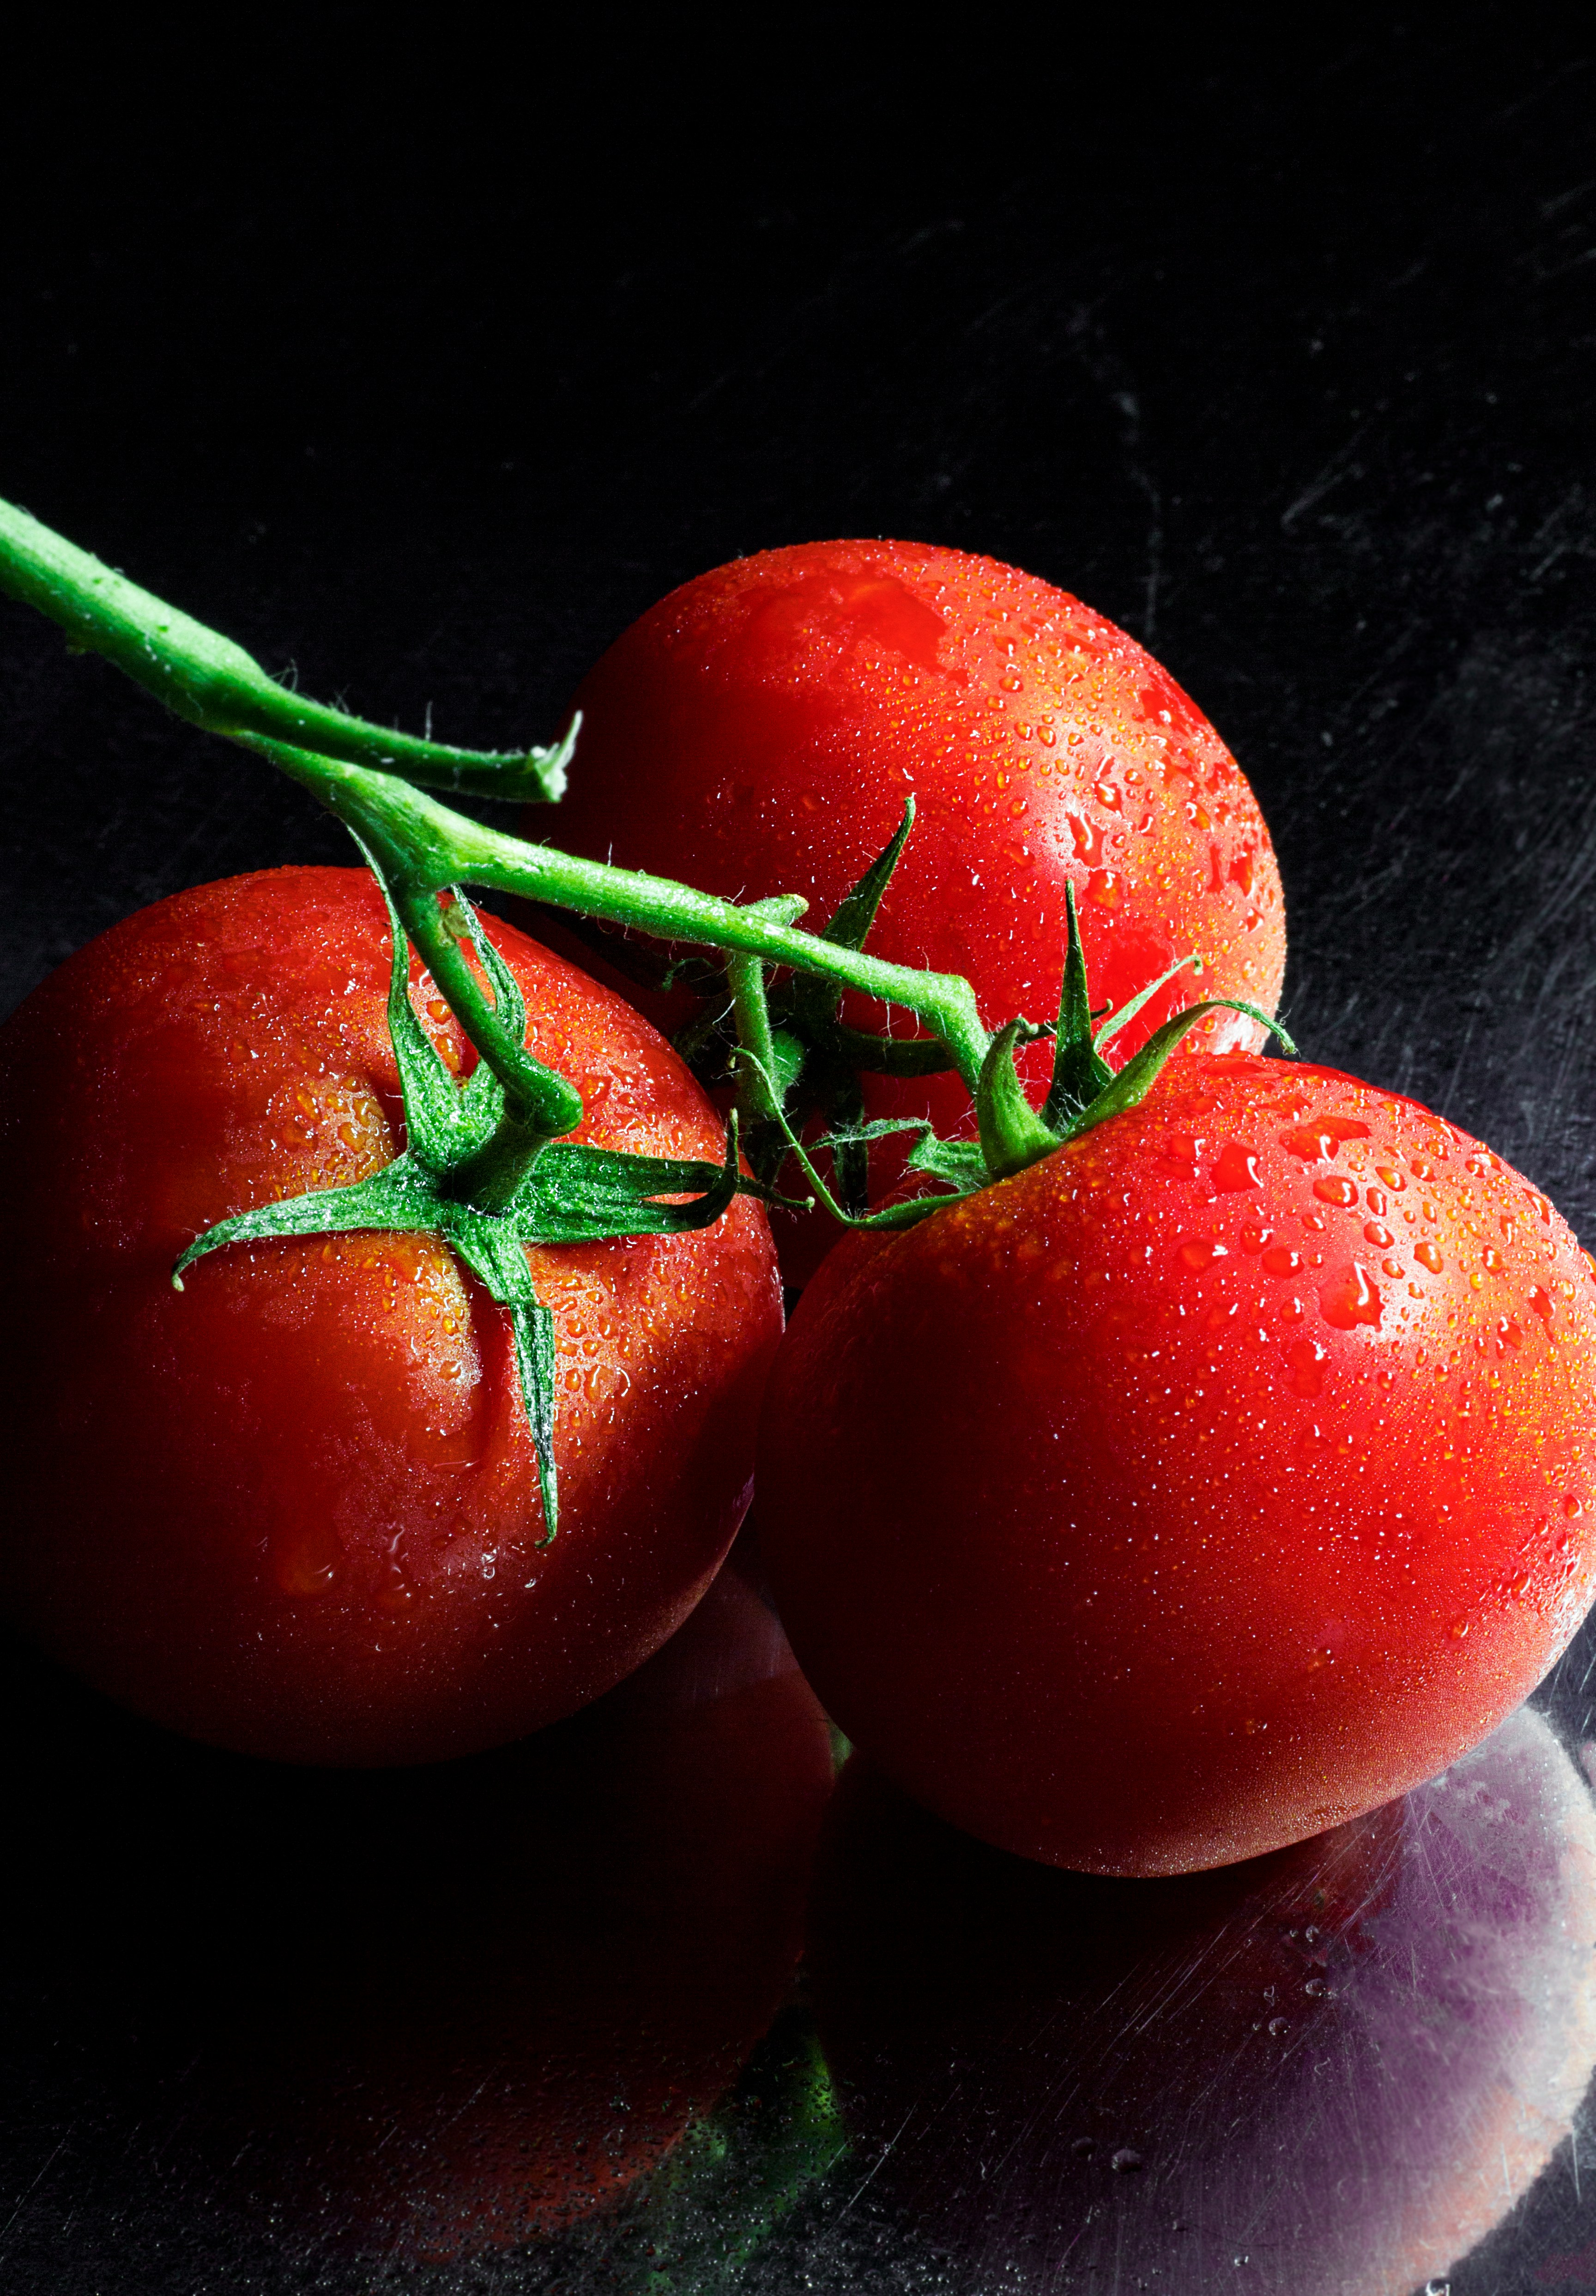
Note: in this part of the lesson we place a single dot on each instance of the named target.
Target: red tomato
(1209, 1483)
(293, 1509)
(758, 730)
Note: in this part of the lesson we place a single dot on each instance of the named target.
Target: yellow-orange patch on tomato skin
(1307, 1434)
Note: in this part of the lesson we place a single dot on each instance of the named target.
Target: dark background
(426, 368)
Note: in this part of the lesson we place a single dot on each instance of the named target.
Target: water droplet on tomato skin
(1428, 1256)
(1320, 1139)
(1351, 1300)
(1236, 1167)
(1306, 1361)
(1199, 1252)
(1336, 1191)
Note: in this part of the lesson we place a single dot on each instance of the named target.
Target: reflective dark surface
(538, 2020)
(425, 375)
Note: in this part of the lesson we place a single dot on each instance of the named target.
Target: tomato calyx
(473, 1173)
(1083, 1092)
(786, 1046)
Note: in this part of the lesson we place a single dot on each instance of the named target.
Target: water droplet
(1428, 1256)
(1316, 1142)
(1351, 1300)
(1282, 1260)
(1334, 1190)
(1373, 1233)
(1126, 2159)
(1236, 1167)
(1315, 1988)
(1280, 2027)
(1199, 1252)
(1305, 1359)
(1083, 2145)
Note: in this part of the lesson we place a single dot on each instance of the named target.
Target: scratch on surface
(875, 2164)
(39, 2180)
(1339, 466)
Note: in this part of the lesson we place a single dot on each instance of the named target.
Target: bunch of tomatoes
(1209, 1480)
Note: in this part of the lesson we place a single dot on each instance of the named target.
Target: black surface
(426, 370)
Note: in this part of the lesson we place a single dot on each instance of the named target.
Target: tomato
(293, 1508)
(758, 730)
(1348, 2058)
(1212, 1480)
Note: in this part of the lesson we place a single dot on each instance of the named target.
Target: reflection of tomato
(758, 730)
(1339, 2064)
(536, 2028)
(1219, 1477)
(294, 1509)
(426, 2012)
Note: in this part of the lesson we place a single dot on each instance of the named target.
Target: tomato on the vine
(760, 729)
(294, 1509)
(1214, 1479)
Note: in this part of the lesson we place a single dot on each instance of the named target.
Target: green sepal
(1128, 1012)
(959, 1162)
(403, 1195)
(575, 1195)
(712, 2204)
(1136, 1079)
(1079, 1071)
(815, 1002)
(441, 1121)
(1012, 1133)
(964, 1174)
(492, 1251)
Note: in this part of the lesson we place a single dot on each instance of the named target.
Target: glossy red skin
(293, 1509)
(758, 730)
(1146, 1512)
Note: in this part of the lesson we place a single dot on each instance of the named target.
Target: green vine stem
(365, 774)
(213, 682)
(422, 851)
(422, 847)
